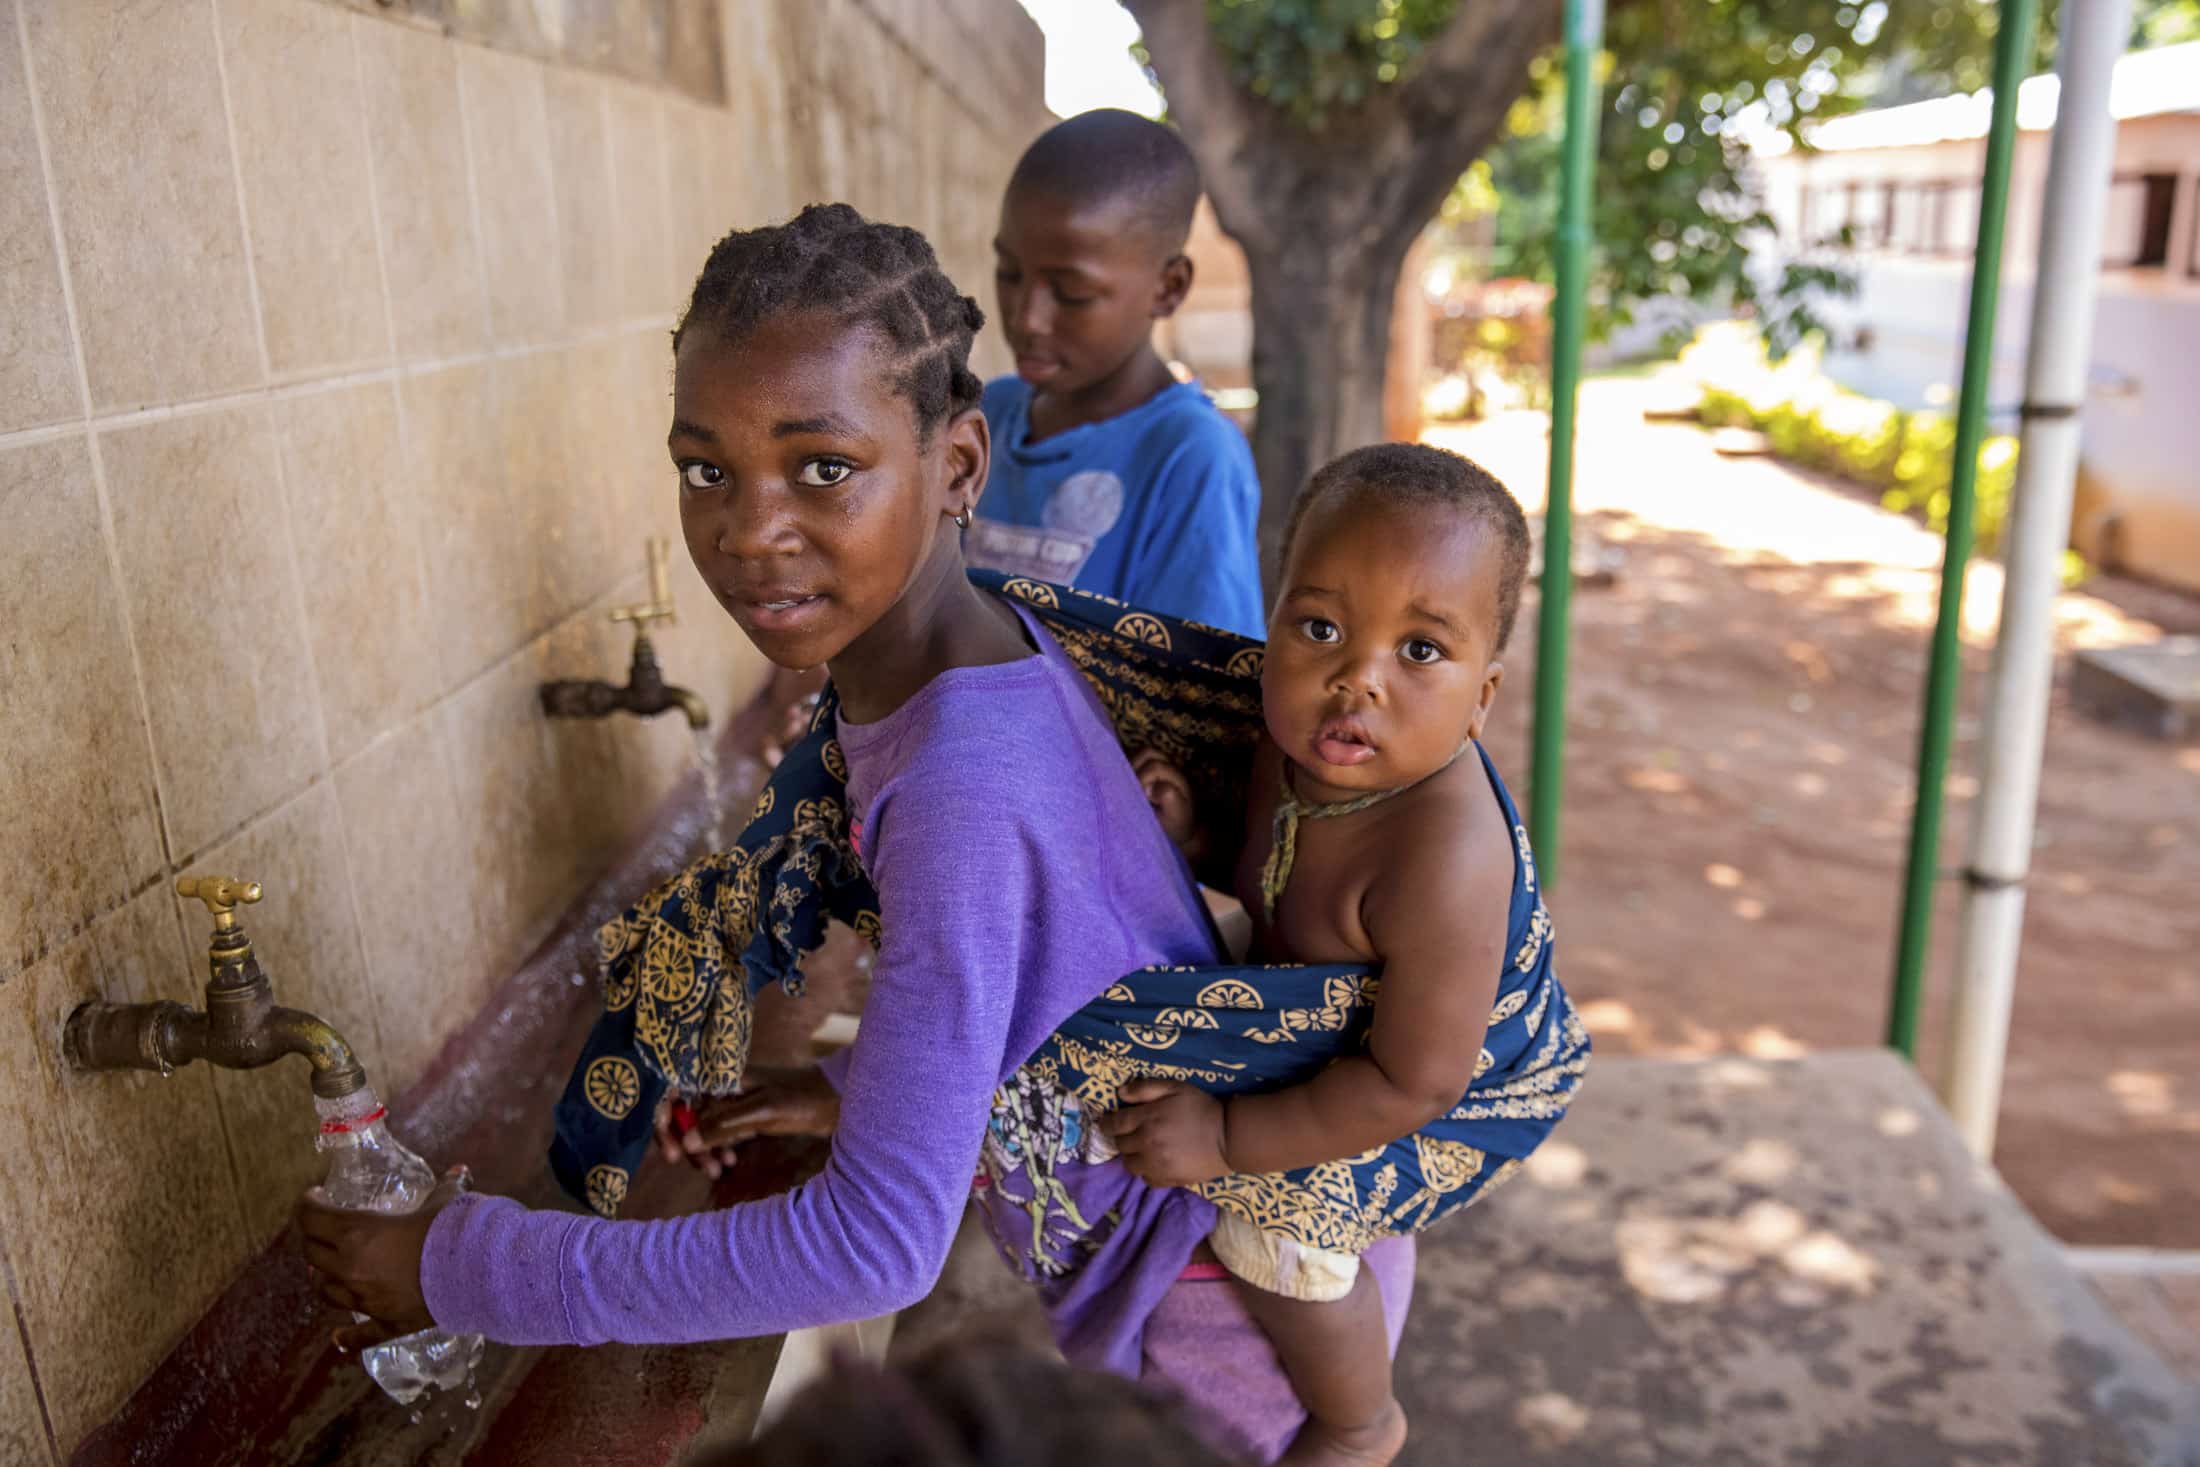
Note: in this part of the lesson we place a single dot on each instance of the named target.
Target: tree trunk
(1321, 339)
(1325, 215)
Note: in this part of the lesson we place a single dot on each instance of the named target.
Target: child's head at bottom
(825, 427)
(1402, 571)
(974, 1403)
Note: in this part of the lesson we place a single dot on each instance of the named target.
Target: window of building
(1956, 232)
(2136, 233)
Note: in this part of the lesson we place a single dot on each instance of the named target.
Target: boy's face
(808, 498)
(1079, 284)
(1381, 654)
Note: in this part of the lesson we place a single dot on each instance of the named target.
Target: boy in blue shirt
(1108, 473)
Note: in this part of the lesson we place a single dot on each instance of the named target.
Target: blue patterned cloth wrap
(681, 967)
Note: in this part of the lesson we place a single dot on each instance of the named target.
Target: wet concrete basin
(257, 1381)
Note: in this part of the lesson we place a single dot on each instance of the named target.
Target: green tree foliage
(1684, 83)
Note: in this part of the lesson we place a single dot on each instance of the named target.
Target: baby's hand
(1168, 1134)
(772, 1102)
(1170, 794)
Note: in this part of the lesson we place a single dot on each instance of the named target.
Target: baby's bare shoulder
(1445, 868)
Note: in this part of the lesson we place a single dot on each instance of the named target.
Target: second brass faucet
(646, 693)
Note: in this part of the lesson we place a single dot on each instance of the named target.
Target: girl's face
(808, 498)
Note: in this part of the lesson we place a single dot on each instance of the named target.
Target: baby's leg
(1337, 1355)
(1324, 1315)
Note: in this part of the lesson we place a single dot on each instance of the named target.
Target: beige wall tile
(477, 584)
(148, 197)
(619, 441)
(509, 141)
(694, 223)
(354, 521)
(836, 154)
(76, 779)
(692, 61)
(23, 1438)
(601, 768)
(413, 874)
(703, 172)
(417, 143)
(646, 499)
(306, 936)
(558, 531)
(295, 102)
(758, 84)
(37, 361)
(207, 574)
(580, 167)
(116, 1192)
(650, 282)
(515, 819)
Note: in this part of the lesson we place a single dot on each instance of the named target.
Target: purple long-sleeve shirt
(1020, 872)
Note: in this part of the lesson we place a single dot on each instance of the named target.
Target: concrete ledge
(2154, 689)
(1795, 1262)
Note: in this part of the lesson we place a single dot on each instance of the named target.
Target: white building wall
(1901, 337)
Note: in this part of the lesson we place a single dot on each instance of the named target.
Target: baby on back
(1377, 833)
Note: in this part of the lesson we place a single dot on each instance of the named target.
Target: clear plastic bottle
(369, 1170)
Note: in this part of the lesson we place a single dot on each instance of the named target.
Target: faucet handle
(221, 894)
(659, 606)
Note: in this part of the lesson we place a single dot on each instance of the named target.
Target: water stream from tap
(706, 759)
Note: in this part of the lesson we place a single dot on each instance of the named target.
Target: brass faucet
(241, 1027)
(646, 693)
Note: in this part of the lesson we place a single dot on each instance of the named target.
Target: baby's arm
(1437, 916)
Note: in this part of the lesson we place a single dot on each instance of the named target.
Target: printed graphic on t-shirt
(1081, 509)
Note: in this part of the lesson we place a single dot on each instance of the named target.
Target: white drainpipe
(2079, 165)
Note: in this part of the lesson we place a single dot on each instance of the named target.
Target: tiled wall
(332, 399)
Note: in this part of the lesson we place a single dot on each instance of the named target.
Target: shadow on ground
(1740, 764)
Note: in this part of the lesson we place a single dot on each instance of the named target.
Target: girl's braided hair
(882, 276)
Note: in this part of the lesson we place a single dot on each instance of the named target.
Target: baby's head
(975, 1401)
(1091, 246)
(825, 427)
(1402, 569)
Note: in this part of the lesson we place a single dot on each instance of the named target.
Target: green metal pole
(2012, 51)
(1584, 36)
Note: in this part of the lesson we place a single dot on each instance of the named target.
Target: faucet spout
(645, 695)
(692, 704)
(240, 1028)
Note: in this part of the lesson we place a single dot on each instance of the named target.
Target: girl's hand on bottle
(369, 1262)
(773, 1101)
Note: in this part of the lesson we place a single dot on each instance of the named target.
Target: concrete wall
(333, 373)
(2141, 441)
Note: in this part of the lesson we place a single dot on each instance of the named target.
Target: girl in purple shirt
(829, 444)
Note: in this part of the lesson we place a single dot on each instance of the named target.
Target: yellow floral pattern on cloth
(613, 1086)
(1289, 1022)
(681, 969)
(606, 1188)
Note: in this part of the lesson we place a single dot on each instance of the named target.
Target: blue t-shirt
(1158, 506)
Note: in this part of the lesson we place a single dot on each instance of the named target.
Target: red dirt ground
(1740, 762)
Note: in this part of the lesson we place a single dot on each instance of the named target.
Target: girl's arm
(867, 1236)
